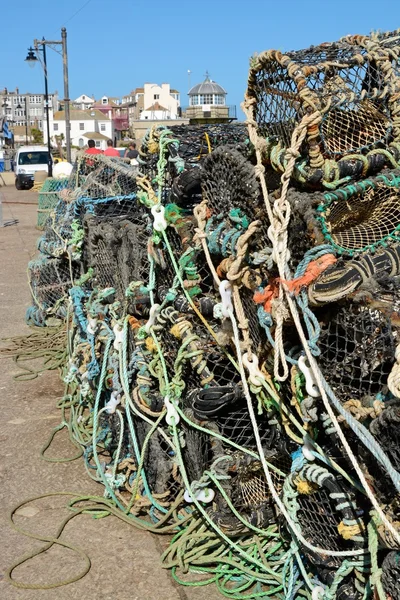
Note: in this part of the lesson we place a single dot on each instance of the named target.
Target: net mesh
(350, 88)
(183, 436)
(364, 216)
(357, 347)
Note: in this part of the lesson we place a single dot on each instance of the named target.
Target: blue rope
(266, 322)
(364, 435)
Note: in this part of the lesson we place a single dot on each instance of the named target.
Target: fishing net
(329, 516)
(116, 250)
(99, 176)
(349, 86)
(357, 350)
(197, 141)
(390, 575)
(362, 216)
(48, 198)
(233, 370)
(49, 281)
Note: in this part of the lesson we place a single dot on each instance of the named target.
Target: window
(97, 144)
(55, 126)
(219, 99)
(206, 99)
(31, 99)
(81, 142)
(15, 101)
(81, 126)
(33, 158)
(194, 100)
(102, 127)
(156, 96)
(104, 101)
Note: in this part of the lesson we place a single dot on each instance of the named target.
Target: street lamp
(26, 119)
(31, 59)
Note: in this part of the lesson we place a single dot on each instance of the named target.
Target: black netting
(116, 249)
(391, 575)
(50, 279)
(357, 347)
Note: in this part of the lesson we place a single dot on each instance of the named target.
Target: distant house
(85, 125)
(155, 112)
(114, 109)
(83, 102)
(26, 109)
(160, 102)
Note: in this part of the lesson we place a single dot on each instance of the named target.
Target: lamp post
(26, 119)
(32, 59)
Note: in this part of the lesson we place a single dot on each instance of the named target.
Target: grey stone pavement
(125, 561)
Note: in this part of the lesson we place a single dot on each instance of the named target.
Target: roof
(207, 87)
(156, 106)
(92, 114)
(174, 92)
(94, 135)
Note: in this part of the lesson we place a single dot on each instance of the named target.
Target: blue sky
(117, 45)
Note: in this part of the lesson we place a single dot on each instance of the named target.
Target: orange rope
(312, 272)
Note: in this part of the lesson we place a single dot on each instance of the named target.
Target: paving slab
(125, 562)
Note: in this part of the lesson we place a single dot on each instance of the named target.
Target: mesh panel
(357, 349)
(363, 215)
(353, 127)
(391, 575)
(350, 121)
(50, 280)
(196, 141)
(117, 250)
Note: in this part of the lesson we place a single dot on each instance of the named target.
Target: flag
(6, 132)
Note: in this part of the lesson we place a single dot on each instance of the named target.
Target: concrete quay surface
(125, 562)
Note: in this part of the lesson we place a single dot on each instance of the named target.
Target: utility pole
(66, 93)
(26, 122)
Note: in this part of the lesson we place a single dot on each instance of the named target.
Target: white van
(28, 160)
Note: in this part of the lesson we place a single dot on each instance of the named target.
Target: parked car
(29, 160)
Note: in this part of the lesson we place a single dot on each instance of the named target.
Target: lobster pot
(116, 248)
(362, 216)
(196, 141)
(50, 280)
(346, 91)
(100, 176)
(48, 198)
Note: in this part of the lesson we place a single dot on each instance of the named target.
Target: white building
(83, 102)
(85, 125)
(160, 102)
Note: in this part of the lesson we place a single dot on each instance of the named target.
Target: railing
(214, 111)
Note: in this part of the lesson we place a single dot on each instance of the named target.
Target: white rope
(282, 214)
(293, 526)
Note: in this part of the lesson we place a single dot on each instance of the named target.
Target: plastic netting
(362, 216)
(357, 352)
(48, 198)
